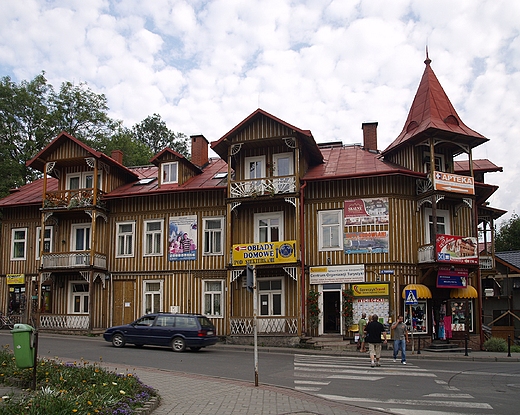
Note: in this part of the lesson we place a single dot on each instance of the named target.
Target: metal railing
(74, 198)
(282, 325)
(263, 187)
(64, 321)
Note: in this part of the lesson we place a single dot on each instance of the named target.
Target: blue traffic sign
(411, 297)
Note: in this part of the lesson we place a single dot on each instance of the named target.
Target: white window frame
(14, 243)
(445, 214)
(152, 294)
(270, 293)
(259, 174)
(276, 162)
(213, 235)
(125, 241)
(166, 172)
(212, 295)
(49, 239)
(80, 295)
(322, 244)
(153, 240)
(268, 217)
(439, 162)
(83, 176)
(87, 242)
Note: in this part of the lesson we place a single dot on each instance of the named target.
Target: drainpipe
(302, 251)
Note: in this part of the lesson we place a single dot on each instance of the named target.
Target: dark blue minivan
(177, 331)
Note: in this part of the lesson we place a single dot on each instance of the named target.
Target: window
(269, 227)
(152, 293)
(330, 233)
(443, 224)
(153, 237)
(79, 298)
(439, 162)
(213, 295)
(419, 317)
(84, 180)
(213, 236)
(125, 239)
(255, 169)
(47, 240)
(80, 237)
(270, 294)
(19, 243)
(169, 172)
(283, 164)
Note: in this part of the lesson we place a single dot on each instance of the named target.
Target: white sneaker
(395, 360)
(372, 364)
(404, 363)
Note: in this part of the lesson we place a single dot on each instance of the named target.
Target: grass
(80, 388)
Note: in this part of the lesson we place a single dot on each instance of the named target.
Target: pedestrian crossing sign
(411, 297)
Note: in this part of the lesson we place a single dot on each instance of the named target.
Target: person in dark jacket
(373, 332)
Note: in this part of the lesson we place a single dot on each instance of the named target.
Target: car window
(185, 323)
(165, 321)
(205, 322)
(145, 321)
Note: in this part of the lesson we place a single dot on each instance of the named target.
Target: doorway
(331, 309)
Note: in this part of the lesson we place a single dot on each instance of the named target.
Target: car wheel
(195, 349)
(178, 344)
(118, 340)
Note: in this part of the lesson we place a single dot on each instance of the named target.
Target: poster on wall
(456, 249)
(371, 306)
(344, 274)
(452, 278)
(372, 211)
(374, 242)
(182, 238)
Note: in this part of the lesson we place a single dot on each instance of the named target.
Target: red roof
(30, 194)
(432, 110)
(482, 166)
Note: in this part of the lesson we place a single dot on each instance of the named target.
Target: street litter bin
(23, 345)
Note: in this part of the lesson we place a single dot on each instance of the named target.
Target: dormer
(173, 168)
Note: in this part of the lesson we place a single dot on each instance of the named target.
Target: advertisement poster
(457, 249)
(182, 239)
(372, 242)
(264, 253)
(366, 211)
(371, 306)
(371, 290)
(343, 274)
(456, 183)
(448, 278)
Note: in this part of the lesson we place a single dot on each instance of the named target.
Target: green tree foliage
(135, 153)
(153, 132)
(507, 238)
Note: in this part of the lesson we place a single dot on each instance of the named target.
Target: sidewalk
(184, 393)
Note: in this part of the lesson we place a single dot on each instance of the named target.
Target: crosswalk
(324, 375)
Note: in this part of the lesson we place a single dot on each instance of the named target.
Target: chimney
(369, 135)
(199, 150)
(117, 155)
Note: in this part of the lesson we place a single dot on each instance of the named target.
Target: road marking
(310, 382)
(472, 405)
(306, 389)
(449, 395)
(371, 378)
(403, 411)
(380, 371)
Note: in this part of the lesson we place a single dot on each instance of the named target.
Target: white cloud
(322, 65)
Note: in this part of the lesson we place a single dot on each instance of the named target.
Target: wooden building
(178, 235)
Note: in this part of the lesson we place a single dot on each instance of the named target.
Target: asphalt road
(423, 386)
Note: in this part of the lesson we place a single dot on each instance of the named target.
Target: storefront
(17, 293)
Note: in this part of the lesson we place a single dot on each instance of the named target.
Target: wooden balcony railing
(426, 253)
(282, 325)
(263, 187)
(75, 259)
(486, 262)
(70, 199)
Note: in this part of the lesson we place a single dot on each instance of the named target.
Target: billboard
(452, 278)
(264, 253)
(372, 211)
(182, 238)
(370, 242)
(337, 274)
(456, 249)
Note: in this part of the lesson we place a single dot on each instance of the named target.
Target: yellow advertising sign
(370, 290)
(264, 253)
(15, 279)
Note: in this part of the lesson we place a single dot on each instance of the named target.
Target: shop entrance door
(332, 308)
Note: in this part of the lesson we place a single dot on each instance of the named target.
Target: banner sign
(373, 242)
(366, 211)
(15, 279)
(448, 278)
(264, 253)
(370, 290)
(456, 249)
(450, 182)
(343, 274)
(182, 240)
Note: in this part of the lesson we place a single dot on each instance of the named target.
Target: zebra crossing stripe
(423, 402)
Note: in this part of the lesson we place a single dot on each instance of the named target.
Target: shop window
(419, 318)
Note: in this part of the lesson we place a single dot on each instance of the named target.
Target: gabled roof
(311, 148)
(509, 259)
(354, 162)
(38, 161)
(168, 151)
(432, 112)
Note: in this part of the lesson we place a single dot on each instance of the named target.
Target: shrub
(495, 344)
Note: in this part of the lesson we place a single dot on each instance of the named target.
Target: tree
(135, 153)
(507, 238)
(153, 132)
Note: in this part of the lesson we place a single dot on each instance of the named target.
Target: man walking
(373, 331)
(400, 339)
(361, 325)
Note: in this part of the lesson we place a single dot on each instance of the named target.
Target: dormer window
(170, 173)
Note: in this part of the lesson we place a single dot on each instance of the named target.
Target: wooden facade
(178, 236)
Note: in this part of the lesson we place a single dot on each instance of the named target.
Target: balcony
(70, 199)
(76, 259)
(263, 187)
(426, 253)
(486, 262)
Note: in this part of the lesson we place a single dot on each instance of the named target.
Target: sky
(320, 65)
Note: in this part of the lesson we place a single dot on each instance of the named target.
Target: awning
(468, 292)
(422, 290)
